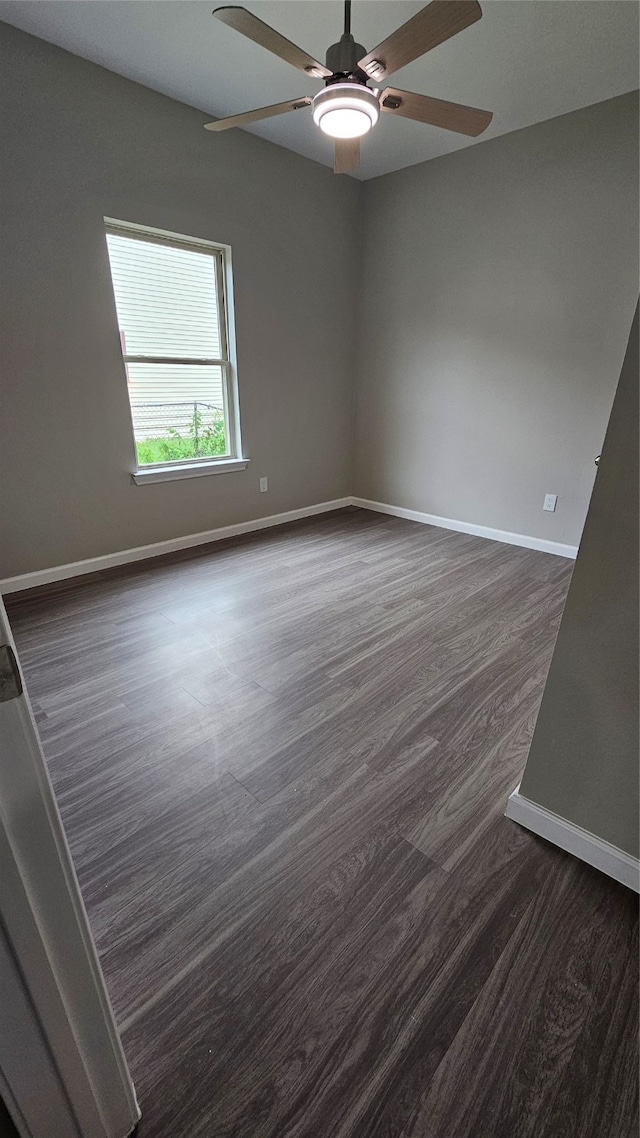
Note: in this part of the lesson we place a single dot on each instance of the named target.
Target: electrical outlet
(264, 485)
(550, 502)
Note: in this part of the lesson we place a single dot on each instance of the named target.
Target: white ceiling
(525, 60)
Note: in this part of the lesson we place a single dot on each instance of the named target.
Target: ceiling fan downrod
(342, 57)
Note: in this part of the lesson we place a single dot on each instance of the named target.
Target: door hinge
(10, 681)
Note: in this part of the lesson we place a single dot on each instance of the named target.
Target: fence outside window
(178, 431)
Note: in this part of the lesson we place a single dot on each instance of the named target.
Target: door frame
(62, 1066)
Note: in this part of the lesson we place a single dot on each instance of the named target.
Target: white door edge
(72, 1035)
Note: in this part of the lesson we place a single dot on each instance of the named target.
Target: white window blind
(170, 301)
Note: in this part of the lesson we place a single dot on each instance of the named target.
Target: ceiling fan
(347, 108)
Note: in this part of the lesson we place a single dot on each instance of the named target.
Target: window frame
(192, 467)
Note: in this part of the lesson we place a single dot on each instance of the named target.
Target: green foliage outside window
(196, 441)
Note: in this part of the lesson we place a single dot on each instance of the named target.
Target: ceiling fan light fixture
(345, 122)
(346, 110)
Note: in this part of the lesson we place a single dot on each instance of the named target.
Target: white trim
(505, 536)
(582, 843)
(143, 232)
(148, 474)
(69, 1041)
(158, 548)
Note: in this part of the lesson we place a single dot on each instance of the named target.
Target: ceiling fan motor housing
(342, 59)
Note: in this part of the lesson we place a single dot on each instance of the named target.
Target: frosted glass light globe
(346, 110)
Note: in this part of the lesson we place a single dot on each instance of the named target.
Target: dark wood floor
(282, 763)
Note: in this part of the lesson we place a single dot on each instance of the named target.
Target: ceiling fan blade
(433, 25)
(346, 155)
(436, 112)
(261, 113)
(256, 30)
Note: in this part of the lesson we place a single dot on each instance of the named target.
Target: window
(172, 300)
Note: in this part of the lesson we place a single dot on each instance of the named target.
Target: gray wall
(493, 290)
(79, 143)
(500, 283)
(583, 762)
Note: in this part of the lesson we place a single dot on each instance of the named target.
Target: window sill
(169, 473)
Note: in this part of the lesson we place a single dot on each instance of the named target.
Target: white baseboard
(156, 549)
(141, 552)
(583, 844)
(505, 536)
